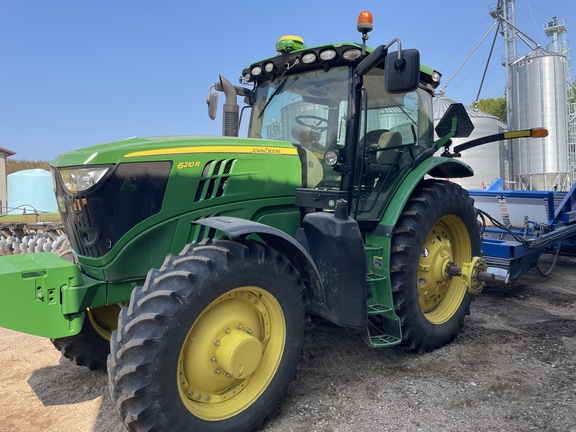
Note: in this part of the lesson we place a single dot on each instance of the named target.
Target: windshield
(309, 110)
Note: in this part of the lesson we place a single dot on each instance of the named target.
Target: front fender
(336, 291)
(275, 238)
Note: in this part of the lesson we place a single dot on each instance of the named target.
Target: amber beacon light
(365, 22)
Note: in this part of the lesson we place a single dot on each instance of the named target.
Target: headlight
(81, 179)
(331, 157)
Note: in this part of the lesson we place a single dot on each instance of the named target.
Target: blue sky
(75, 73)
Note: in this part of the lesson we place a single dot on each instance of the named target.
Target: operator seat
(372, 137)
(312, 172)
(388, 140)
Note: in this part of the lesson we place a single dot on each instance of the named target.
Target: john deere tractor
(199, 259)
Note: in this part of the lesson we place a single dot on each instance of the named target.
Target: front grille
(94, 222)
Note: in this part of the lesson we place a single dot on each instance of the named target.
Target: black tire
(91, 346)
(437, 224)
(171, 337)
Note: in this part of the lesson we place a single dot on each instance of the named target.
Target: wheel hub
(227, 354)
(239, 354)
(440, 294)
(432, 275)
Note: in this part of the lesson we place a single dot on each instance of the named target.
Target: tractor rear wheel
(437, 226)
(210, 342)
(91, 346)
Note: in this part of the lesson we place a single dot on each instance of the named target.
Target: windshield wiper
(274, 93)
(281, 85)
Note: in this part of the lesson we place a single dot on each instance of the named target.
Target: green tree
(496, 107)
(13, 165)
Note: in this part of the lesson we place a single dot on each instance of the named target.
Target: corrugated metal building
(3, 178)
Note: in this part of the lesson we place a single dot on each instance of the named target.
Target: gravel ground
(512, 369)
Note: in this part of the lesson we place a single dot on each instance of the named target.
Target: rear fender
(433, 166)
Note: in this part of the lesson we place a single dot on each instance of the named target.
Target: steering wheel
(300, 120)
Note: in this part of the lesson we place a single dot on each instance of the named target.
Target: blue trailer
(519, 227)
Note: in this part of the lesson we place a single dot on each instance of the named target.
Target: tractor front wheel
(91, 346)
(437, 228)
(210, 342)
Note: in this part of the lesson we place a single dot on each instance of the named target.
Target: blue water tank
(33, 189)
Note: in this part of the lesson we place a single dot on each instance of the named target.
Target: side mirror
(464, 125)
(402, 73)
(212, 102)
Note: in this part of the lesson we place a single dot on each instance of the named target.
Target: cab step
(382, 341)
(379, 309)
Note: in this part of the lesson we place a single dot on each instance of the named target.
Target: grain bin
(485, 160)
(31, 189)
(539, 100)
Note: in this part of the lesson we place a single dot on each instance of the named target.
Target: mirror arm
(240, 91)
(371, 60)
(399, 42)
(378, 55)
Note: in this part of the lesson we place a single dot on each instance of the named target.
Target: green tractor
(199, 259)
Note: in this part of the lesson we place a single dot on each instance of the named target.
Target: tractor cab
(360, 118)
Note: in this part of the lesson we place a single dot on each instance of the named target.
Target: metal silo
(538, 92)
(485, 160)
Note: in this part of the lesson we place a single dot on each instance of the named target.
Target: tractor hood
(126, 204)
(138, 149)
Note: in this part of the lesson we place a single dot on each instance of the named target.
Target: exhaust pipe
(230, 110)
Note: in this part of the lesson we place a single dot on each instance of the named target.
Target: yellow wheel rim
(231, 353)
(104, 319)
(440, 295)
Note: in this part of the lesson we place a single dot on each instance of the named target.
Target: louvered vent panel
(215, 178)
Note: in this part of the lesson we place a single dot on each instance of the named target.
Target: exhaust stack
(231, 109)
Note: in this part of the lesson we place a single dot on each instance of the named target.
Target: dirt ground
(512, 369)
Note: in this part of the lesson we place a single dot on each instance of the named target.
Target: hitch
(474, 274)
